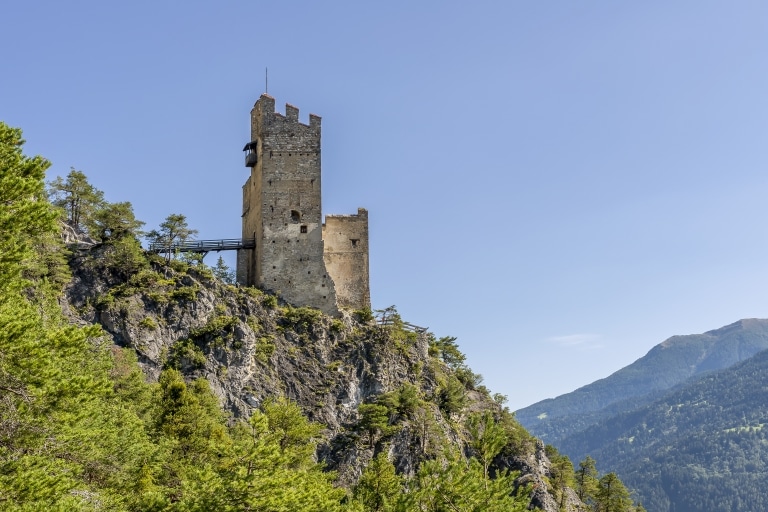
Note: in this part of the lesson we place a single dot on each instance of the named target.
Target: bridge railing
(405, 325)
(204, 246)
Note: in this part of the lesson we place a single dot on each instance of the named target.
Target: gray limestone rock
(251, 350)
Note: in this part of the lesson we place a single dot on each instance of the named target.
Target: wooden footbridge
(389, 317)
(203, 246)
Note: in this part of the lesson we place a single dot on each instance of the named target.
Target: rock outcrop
(252, 348)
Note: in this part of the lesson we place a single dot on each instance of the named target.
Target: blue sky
(560, 184)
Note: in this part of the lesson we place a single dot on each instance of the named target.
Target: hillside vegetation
(695, 446)
(671, 363)
(701, 447)
(141, 382)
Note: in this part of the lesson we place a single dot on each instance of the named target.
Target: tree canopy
(174, 229)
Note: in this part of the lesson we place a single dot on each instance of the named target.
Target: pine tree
(586, 480)
(76, 196)
(612, 495)
(487, 438)
(113, 221)
(458, 484)
(174, 229)
(379, 487)
(223, 272)
(374, 421)
(65, 441)
(561, 474)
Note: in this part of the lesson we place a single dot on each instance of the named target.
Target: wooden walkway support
(389, 316)
(204, 246)
(406, 325)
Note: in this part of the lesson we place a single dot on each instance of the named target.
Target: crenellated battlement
(265, 106)
(362, 214)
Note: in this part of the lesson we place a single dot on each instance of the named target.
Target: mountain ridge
(666, 365)
(698, 447)
(690, 437)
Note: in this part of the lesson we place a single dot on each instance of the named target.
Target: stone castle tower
(306, 262)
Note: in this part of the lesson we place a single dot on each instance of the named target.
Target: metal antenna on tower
(266, 80)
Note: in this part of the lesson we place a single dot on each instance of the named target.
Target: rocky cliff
(252, 348)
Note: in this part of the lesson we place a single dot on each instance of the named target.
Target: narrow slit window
(303, 229)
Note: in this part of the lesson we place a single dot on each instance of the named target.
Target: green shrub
(374, 421)
(185, 293)
(269, 302)
(402, 402)
(302, 319)
(264, 349)
(254, 323)
(251, 291)
(363, 315)
(408, 399)
(184, 352)
(470, 379)
(125, 256)
(451, 396)
(106, 301)
(337, 325)
(158, 297)
(202, 271)
(146, 278)
(179, 266)
(217, 332)
(148, 323)
(215, 326)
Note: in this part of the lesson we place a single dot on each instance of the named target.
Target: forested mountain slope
(669, 364)
(702, 447)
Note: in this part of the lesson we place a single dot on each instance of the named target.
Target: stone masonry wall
(346, 257)
(282, 209)
(304, 261)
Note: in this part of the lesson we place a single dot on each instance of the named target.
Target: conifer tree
(612, 495)
(65, 443)
(379, 487)
(561, 474)
(76, 196)
(113, 221)
(174, 229)
(374, 421)
(458, 484)
(586, 480)
(223, 272)
(487, 438)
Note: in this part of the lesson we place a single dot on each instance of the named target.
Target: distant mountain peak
(685, 390)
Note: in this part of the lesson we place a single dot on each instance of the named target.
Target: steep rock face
(252, 349)
(534, 467)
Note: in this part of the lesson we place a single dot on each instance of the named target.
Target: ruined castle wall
(245, 257)
(346, 257)
(282, 208)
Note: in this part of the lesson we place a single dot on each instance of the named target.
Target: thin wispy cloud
(577, 341)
